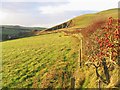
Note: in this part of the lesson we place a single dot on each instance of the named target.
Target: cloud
(27, 14)
(74, 5)
(47, 13)
(51, 10)
(3, 15)
(34, 0)
(27, 7)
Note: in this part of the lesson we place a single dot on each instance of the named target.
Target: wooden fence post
(81, 47)
(106, 71)
(72, 83)
(81, 52)
(99, 84)
(62, 80)
(80, 57)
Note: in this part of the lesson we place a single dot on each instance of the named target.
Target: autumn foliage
(104, 43)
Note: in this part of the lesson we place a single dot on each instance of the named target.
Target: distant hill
(13, 32)
(86, 19)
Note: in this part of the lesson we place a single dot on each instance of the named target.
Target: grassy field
(87, 19)
(39, 60)
(51, 60)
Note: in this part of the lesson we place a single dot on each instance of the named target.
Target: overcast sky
(47, 13)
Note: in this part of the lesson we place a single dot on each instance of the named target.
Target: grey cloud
(27, 13)
(28, 7)
(45, 20)
(59, 18)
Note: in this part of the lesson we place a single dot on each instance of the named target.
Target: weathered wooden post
(81, 48)
(80, 57)
(80, 52)
(106, 72)
(72, 83)
(99, 84)
(62, 80)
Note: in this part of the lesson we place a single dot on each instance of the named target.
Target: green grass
(38, 58)
(17, 31)
(87, 19)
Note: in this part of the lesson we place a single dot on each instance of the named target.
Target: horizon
(19, 25)
(48, 14)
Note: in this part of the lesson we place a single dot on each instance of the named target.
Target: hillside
(85, 20)
(12, 32)
(39, 61)
(76, 56)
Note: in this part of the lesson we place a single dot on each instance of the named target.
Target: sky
(47, 13)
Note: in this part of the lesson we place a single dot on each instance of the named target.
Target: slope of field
(39, 61)
(87, 19)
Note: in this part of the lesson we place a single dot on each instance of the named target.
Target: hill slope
(13, 32)
(85, 20)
